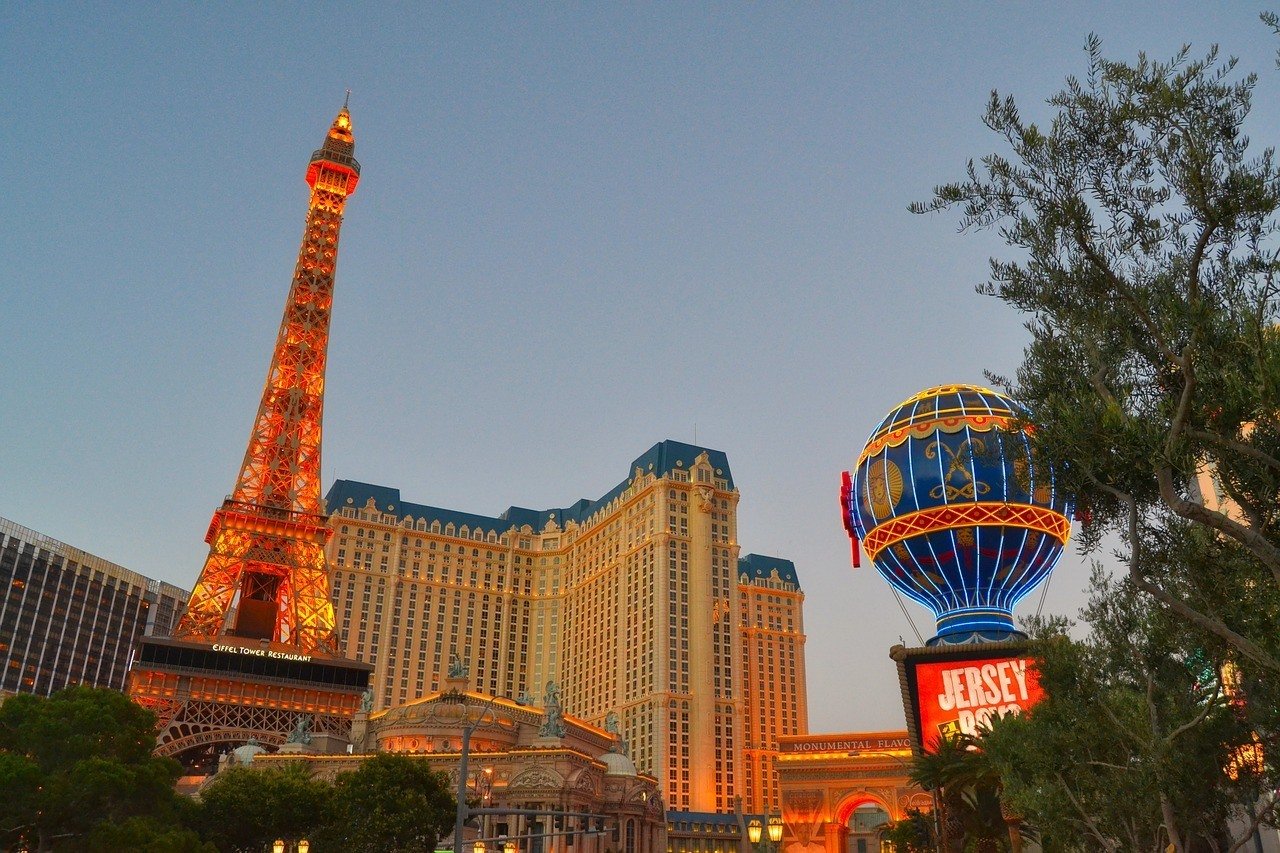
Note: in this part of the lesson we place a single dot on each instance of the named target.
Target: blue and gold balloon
(955, 511)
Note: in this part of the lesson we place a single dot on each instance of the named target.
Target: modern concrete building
(68, 617)
(636, 603)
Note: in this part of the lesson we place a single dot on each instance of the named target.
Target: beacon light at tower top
(955, 511)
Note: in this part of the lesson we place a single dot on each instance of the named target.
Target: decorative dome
(618, 764)
(954, 510)
(245, 752)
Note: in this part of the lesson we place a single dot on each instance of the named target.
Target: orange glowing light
(1040, 519)
(1247, 759)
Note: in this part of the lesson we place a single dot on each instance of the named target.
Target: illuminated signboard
(841, 744)
(260, 653)
(956, 693)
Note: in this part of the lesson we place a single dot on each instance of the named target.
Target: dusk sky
(580, 230)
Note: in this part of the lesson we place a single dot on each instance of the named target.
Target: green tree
(244, 809)
(913, 834)
(143, 835)
(1127, 750)
(967, 785)
(1147, 260)
(77, 761)
(392, 802)
(1148, 268)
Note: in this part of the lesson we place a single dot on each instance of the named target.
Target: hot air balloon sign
(955, 511)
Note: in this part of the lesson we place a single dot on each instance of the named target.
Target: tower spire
(265, 577)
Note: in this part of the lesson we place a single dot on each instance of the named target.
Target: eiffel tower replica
(256, 651)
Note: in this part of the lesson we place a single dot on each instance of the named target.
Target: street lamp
(757, 831)
(509, 846)
(775, 829)
(460, 816)
(280, 846)
(479, 847)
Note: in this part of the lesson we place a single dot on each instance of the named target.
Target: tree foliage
(913, 834)
(1128, 749)
(1144, 228)
(967, 789)
(1148, 268)
(144, 835)
(244, 809)
(76, 763)
(392, 802)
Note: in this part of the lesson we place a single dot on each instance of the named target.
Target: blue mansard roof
(660, 460)
(760, 567)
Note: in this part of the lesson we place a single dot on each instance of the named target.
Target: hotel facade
(637, 603)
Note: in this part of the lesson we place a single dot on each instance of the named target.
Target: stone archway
(854, 799)
(858, 818)
(180, 739)
(824, 778)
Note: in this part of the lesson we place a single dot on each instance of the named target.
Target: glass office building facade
(69, 617)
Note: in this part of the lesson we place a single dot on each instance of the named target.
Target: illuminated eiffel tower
(257, 647)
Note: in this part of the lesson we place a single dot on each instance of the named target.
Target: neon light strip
(972, 616)
(924, 428)
(1048, 521)
(948, 594)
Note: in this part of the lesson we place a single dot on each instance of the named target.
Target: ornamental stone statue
(301, 731)
(553, 720)
(613, 727)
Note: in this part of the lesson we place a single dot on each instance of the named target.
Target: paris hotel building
(636, 603)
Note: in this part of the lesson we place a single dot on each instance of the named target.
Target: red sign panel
(960, 695)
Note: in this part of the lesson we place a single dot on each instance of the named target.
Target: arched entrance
(828, 779)
(197, 747)
(862, 816)
(864, 828)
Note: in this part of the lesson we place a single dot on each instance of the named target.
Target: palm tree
(968, 789)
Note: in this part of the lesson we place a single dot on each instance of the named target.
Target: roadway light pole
(905, 765)
(463, 812)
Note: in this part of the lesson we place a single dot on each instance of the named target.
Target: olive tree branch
(1109, 844)
(1235, 446)
(1216, 627)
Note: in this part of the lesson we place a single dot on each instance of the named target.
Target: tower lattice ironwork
(256, 650)
(266, 577)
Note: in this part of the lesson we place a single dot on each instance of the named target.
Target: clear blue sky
(580, 230)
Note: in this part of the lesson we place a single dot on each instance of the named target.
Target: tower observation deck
(257, 646)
